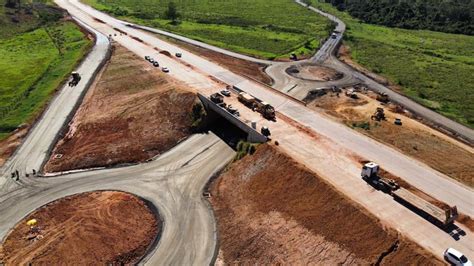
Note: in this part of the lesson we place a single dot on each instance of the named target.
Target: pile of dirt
(132, 113)
(314, 73)
(106, 227)
(236, 65)
(270, 209)
(412, 138)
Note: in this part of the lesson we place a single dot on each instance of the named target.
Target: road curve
(173, 183)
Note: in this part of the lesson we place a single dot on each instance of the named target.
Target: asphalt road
(173, 183)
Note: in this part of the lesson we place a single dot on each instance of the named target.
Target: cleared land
(89, 228)
(272, 210)
(433, 68)
(132, 113)
(412, 138)
(267, 29)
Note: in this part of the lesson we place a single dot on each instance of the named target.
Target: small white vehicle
(456, 258)
(179, 54)
(165, 69)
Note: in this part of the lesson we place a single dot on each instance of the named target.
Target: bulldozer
(75, 79)
(378, 115)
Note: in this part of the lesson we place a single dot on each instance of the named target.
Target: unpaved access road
(173, 183)
(202, 73)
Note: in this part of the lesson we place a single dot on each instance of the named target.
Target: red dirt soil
(94, 228)
(132, 113)
(270, 210)
(11, 143)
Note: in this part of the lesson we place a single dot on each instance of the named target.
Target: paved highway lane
(173, 183)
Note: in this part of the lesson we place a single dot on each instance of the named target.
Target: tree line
(452, 16)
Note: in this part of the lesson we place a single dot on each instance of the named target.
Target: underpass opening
(228, 126)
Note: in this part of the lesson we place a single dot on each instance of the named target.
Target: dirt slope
(131, 114)
(85, 229)
(272, 210)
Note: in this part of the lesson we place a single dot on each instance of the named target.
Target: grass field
(435, 69)
(267, 29)
(33, 63)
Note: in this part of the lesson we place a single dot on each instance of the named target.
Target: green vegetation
(243, 148)
(452, 16)
(433, 68)
(36, 56)
(267, 29)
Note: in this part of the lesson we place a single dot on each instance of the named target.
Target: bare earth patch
(93, 228)
(11, 143)
(315, 73)
(132, 113)
(270, 210)
(412, 138)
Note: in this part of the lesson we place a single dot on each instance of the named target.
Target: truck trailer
(439, 216)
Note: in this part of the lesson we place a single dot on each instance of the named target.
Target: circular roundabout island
(99, 227)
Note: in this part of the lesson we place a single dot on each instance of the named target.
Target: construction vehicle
(75, 79)
(382, 97)
(379, 114)
(397, 122)
(440, 217)
(255, 104)
(352, 94)
(266, 110)
(265, 131)
(217, 98)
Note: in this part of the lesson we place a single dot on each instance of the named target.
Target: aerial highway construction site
(160, 149)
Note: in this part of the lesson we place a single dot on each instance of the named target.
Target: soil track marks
(92, 228)
(270, 210)
(412, 138)
(132, 113)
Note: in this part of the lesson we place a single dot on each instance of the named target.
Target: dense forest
(452, 16)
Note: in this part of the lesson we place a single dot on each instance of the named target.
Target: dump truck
(439, 216)
(255, 104)
(247, 99)
(75, 78)
(217, 98)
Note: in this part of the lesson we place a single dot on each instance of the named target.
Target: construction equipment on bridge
(265, 131)
(382, 97)
(379, 114)
(434, 213)
(255, 104)
(217, 98)
(75, 79)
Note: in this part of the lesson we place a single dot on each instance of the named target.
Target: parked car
(165, 69)
(455, 257)
(225, 93)
(147, 58)
(155, 64)
(151, 60)
(178, 54)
